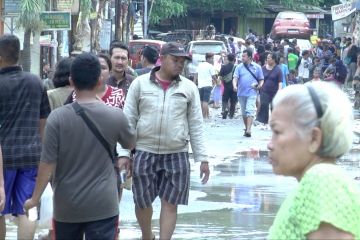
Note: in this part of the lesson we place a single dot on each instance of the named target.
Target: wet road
(242, 196)
(240, 202)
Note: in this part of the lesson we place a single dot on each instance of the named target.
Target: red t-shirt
(163, 83)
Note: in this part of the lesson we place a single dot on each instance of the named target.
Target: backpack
(340, 71)
(229, 77)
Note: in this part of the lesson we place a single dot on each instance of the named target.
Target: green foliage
(85, 8)
(242, 7)
(295, 4)
(29, 17)
(163, 9)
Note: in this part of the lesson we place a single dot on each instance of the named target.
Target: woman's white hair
(335, 123)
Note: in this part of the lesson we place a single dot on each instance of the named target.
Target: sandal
(247, 134)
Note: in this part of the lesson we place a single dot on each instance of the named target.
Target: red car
(135, 46)
(290, 25)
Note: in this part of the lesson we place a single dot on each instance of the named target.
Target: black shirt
(124, 84)
(23, 102)
(224, 70)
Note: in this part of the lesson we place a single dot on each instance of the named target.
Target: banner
(342, 10)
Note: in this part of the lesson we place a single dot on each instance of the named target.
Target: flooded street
(242, 196)
(240, 202)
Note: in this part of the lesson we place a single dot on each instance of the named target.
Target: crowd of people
(69, 135)
(260, 69)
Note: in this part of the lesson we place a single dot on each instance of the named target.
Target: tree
(297, 4)
(163, 9)
(82, 31)
(29, 20)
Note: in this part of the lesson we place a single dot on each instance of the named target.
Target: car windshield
(291, 15)
(207, 48)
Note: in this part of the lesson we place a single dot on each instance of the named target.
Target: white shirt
(304, 68)
(205, 72)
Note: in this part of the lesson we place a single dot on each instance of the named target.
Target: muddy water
(240, 201)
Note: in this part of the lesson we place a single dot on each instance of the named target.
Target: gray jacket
(165, 121)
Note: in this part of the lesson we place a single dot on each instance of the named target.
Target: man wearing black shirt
(24, 107)
(226, 75)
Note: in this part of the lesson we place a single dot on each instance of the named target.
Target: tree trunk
(26, 55)
(35, 54)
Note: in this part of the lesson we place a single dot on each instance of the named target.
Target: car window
(134, 49)
(206, 48)
(291, 15)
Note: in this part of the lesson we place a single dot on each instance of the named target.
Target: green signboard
(56, 20)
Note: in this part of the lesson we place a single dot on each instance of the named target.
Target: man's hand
(125, 163)
(30, 203)
(204, 172)
(2, 198)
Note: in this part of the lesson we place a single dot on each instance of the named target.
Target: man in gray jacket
(165, 109)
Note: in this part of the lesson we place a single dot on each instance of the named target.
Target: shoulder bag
(80, 111)
(247, 68)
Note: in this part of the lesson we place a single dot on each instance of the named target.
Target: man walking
(149, 56)
(226, 75)
(164, 107)
(24, 107)
(248, 78)
(84, 180)
(205, 78)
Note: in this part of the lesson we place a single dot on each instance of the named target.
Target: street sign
(342, 10)
(12, 7)
(56, 21)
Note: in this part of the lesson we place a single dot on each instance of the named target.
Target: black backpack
(340, 71)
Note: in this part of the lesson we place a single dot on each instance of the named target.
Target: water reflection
(239, 202)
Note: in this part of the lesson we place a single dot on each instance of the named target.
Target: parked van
(135, 47)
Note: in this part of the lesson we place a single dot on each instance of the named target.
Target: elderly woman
(311, 129)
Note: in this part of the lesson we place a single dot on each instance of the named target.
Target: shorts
(248, 106)
(163, 175)
(205, 93)
(106, 229)
(19, 186)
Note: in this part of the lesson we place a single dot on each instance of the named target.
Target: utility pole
(117, 19)
(145, 18)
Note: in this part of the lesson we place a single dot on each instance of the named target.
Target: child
(316, 76)
(285, 71)
(292, 78)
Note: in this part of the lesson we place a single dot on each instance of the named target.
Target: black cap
(174, 49)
